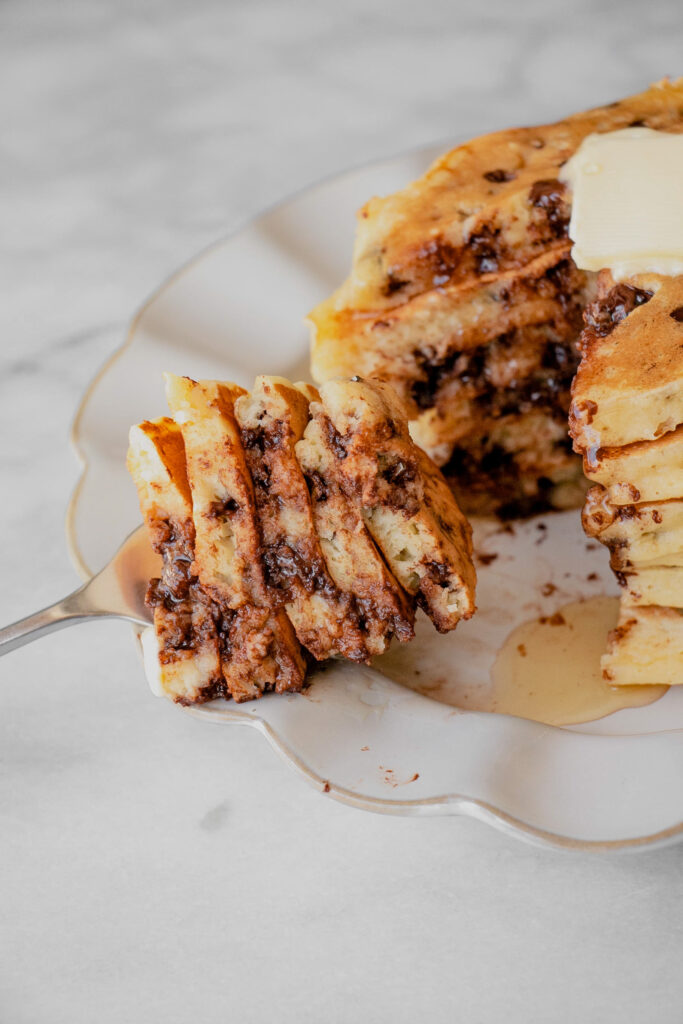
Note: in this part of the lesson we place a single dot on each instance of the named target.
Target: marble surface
(215, 885)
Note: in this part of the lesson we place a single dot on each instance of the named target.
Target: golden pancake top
(487, 206)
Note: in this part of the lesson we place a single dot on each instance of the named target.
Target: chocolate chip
(317, 486)
(548, 195)
(500, 175)
(393, 284)
(221, 509)
(334, 439)
(602, 317)
(587, 410)
(484, 250)
(399, 473)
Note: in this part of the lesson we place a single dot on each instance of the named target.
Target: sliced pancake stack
(284, 538)
(464, 297)
(627, 421)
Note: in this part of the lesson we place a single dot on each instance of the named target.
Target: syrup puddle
(547, 670)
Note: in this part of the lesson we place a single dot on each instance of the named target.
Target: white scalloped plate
(237, 310)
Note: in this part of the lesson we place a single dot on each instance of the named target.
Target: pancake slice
(646, 648)
(445, 333)
(264, 654)
(660, 585)
(638, 536)
(186, 621)
(353, 561)
(510, 463)
(646, 471)
(403, 499)
(264, 651)
(629, 384)
(272, 419)
(227, 543)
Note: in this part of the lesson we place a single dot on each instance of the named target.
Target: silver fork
(118, 591)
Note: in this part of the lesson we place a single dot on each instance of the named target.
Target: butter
(627, 203)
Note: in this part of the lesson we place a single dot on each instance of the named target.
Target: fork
(117, 591)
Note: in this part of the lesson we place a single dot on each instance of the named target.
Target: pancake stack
(463, 296)
(284, 539)
(626, 419)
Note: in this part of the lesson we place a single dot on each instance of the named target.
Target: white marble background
(218, 887)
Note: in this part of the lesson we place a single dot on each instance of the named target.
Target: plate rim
(451, 804)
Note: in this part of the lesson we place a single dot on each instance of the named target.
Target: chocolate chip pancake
(186, 621)
(435, 337)
(402, 497)
(228, 543)
(466, 272)
(272, 418)
(644, 471)
(645, 648)
(352, 558)
(660, 585)
(491, 205)
(629, 384)
(643, 535)
(270, 545)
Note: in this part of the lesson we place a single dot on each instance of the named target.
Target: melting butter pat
(627, 202)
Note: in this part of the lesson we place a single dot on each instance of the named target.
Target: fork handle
(67, 612)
